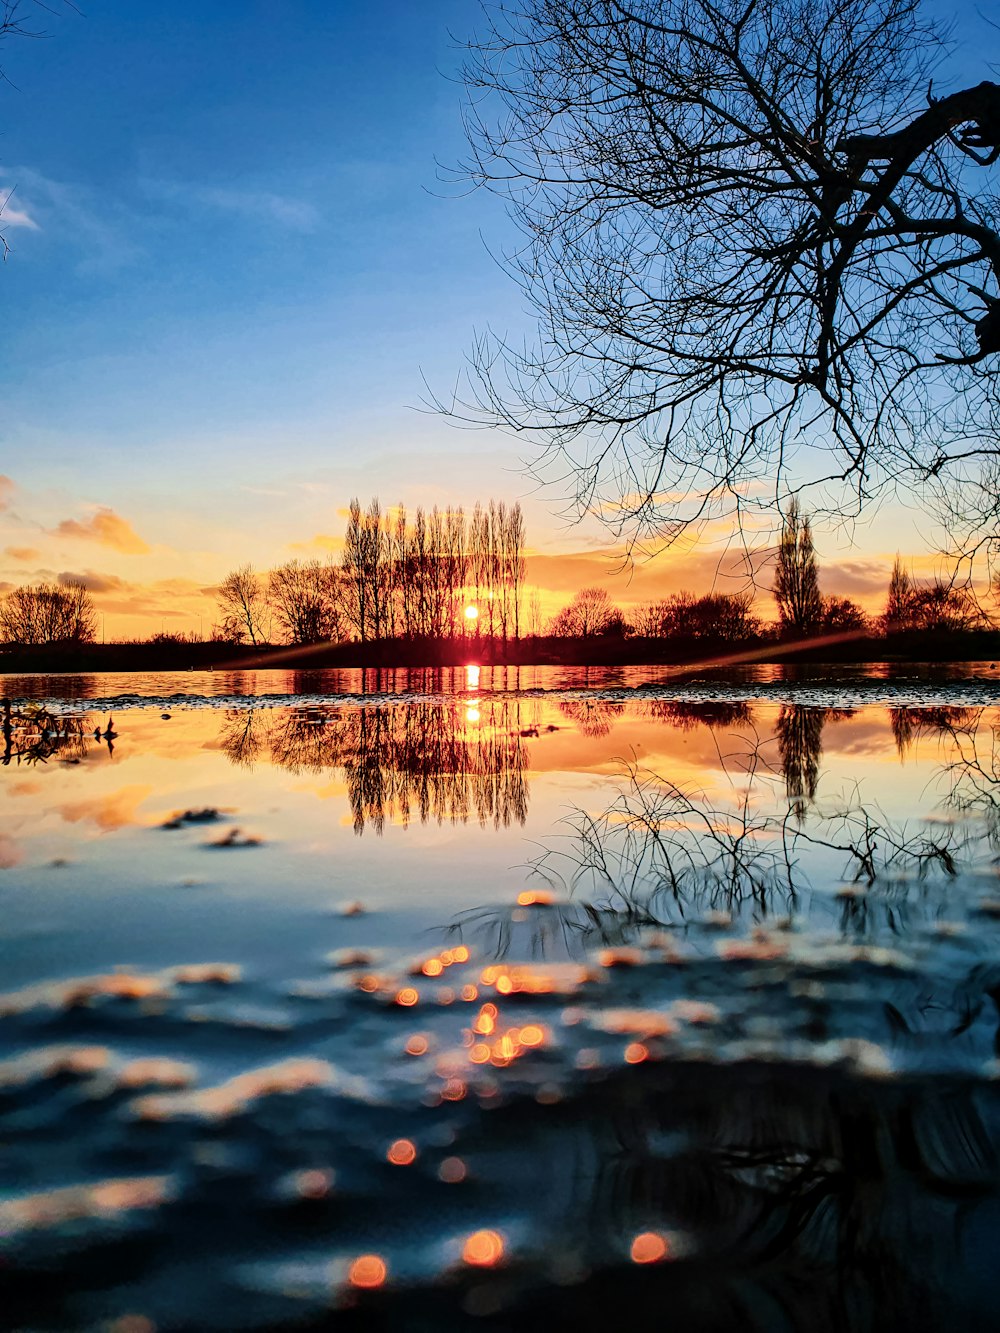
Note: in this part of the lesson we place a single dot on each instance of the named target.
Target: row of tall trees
(412, 578)
(911, 605)
(48, 613)
(399, 576)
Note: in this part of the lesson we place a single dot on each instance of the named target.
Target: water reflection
(716, 1064)
(33, 735)
(715, 714)
(443, 761)
(593, 718)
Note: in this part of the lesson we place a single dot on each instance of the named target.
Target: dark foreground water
(501, 1005)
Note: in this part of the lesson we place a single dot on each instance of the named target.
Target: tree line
(440, 574)
(44, 613)
(417, 578)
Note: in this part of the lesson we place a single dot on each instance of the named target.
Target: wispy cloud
(251, 202)
(24, 554)
(13, 216)
(105, 527)
(72, 213)
(7, 489)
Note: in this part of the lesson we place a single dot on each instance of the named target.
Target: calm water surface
(500, 1002)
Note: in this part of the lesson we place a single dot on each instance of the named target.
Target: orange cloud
(92, 581)
(559, 577)
(6, 491)
(105, 527)
(23, 553)
(110, 812)
(321, 542)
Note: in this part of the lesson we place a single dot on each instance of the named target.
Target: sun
(472, 612)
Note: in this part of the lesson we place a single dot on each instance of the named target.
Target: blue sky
(235, 230)
(231, 264)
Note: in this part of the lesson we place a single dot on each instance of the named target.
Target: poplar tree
(796, 577)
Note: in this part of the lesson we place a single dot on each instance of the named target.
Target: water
(505, 1002)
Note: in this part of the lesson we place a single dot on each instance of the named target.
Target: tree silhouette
(591, 612)
(796, 579)
(304, 600)
(242, 607)
(759, 248)
(48, 613)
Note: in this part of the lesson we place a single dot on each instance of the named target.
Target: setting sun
(472, 612)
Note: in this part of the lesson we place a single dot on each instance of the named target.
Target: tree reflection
(33, 735)
(431, 760)
(662, 856)
(593, 717)
(832, 1201)
(799, 732)
(910, 724)
(711, 713)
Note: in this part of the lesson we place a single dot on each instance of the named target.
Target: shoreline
(392, 655)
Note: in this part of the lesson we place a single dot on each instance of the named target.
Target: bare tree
(841, 614)
(899, 600)
(47, 613)
(796, 578)
(591, 612)
(18, 18)
(305, 601)
(728, 617)
(534, 613)
(938, 606)
(242, 606)
(761, 251)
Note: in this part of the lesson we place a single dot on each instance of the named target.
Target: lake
(502, 998)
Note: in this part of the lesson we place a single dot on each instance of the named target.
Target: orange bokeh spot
(407, 996)
(486, 1020)
(649, 1247)
(402, 1153)
(461, 954)
(433, 967)
(417, 1044)
(535, 898)
(480, 1053)
(368, 983)
(532, 1035)
(447, 957)
(367, 1271)
(483, 1248)
(505, 1050)
(469, 993)
(623, 957)
(635, 1053)
(453, 1090)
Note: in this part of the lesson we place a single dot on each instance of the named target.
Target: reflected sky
(420, 811)
(370, 1000)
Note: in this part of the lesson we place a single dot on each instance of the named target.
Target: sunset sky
(232, 268)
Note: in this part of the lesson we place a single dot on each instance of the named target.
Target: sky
(233, 272)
